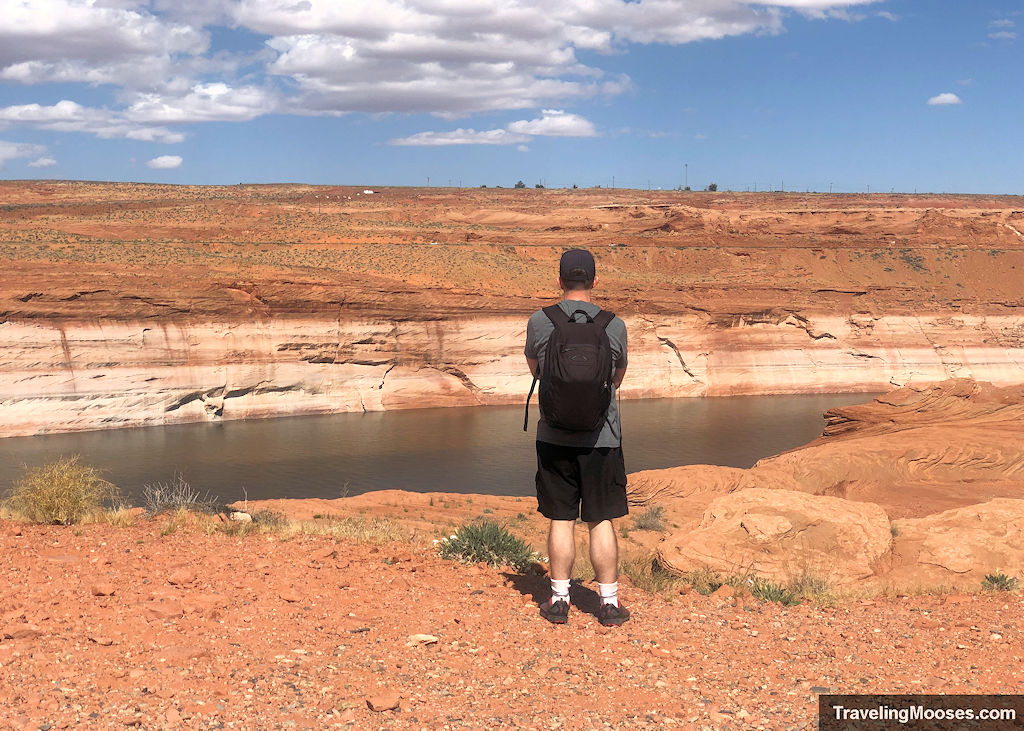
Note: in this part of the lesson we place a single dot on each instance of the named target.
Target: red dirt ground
(104, 627)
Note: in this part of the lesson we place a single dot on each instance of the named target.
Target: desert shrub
(520, 184)
(713, 187)
(999, 581)
(650, 519)
(767, 591)
(158, 497)
(270, 519)
(488, 542)
(704, 581)
(646, 572)
(811, 586)
(62, 492)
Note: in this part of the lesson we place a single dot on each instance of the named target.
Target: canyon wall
(73, 375)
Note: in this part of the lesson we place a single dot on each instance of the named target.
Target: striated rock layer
(922, 487)
(73, 375)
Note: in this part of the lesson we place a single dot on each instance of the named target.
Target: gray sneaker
(610, 615)
(556, 612)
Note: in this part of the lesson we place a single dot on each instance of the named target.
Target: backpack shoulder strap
(604, 318)
(556, 314)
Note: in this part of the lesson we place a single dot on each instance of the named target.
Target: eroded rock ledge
(67, 376)
(922, 487)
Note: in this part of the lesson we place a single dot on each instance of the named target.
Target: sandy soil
(104, 250)
(105, 627)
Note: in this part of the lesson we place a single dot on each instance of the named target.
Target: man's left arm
(621, 359)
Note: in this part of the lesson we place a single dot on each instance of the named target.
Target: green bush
(489, 542)
(62, 493)
(999, 581)
(520, 184)
(650, 519)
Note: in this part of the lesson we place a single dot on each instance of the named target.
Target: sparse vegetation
(159, 497)
(646, 573)
(650, 519)
(998, 581)
(520, 184)
(63, 492)
(488, 542)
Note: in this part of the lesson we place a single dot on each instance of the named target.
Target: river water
(469, 450)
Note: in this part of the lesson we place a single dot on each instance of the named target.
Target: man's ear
(595, 282)
(561, 287)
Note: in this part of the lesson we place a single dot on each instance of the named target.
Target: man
(580, 473)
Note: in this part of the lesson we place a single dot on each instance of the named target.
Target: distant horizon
(529, 187)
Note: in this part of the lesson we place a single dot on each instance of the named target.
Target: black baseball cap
(577, 265)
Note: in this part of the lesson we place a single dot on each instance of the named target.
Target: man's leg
(562, 548)
(604, 552)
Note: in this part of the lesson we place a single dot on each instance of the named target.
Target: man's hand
(533, 364)
(620, 373)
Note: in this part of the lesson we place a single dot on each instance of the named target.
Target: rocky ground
(145, 626)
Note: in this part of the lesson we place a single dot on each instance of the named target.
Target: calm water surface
(481, 450)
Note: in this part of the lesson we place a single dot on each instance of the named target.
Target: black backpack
(576, 386)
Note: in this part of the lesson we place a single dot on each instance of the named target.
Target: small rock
(723, 592)
(21, 632)
(290, 595)
(819, 689)
(383, 702)
(416, 640)
(181, 576)
(101, 640)
(102, 588)
(325, 553)
(240, 517)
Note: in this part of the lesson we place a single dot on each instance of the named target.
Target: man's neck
(577, 295)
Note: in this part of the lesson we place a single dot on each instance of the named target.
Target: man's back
(538, 333)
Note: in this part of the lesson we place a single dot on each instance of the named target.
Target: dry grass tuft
(62, 493)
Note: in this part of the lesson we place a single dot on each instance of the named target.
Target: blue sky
(914, 95)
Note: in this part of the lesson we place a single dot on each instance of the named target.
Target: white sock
(560, 590)
(609, 593)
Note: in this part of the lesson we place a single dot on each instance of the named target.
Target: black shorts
(580, 482)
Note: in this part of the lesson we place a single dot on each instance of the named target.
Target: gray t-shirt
(538, 331)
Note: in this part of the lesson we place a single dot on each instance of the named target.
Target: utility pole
(428, 181)
(686, 175)
(830, 188)
(613, 181)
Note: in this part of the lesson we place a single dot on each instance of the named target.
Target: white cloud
(43, 162)
(965, 82)
(555, 123)
(887, 15)
(203, 103)
(461, 137)
(165, 162)
(944, 99)
(551, 123)
(69, 116)
(1003, 35)
(13, 150)
(1002, 23)
(450, 58)
(85, 40)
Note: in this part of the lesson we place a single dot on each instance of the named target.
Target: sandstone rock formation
(67, 376)
(125, 305)
(922, 487)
